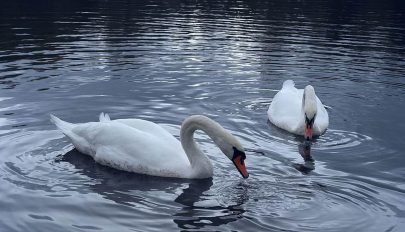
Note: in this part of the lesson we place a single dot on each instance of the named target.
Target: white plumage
(144, 147)
(287, 110)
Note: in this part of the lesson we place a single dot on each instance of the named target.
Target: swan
(141, 146)
(298, 111)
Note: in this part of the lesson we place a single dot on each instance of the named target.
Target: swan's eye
(242, 157)
(237, 153)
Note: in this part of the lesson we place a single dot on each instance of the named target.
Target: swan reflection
(131, 189)
(308, 165)
(192, 216)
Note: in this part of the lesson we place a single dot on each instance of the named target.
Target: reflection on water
(119, 187)
(115, 184)
(164, 60)
(198, 217)
(304, 150)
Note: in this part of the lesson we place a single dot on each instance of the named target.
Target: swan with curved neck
(298, 111)
(144, 147)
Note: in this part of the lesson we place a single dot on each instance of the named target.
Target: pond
(165, 60)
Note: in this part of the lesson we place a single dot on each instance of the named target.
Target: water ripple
(163, 61)
(339, 139)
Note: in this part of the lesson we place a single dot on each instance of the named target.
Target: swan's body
(291, 107)
(144, 147)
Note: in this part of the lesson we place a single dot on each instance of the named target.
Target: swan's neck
(198, 160)
(309, 106)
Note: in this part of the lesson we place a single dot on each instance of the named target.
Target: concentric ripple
(339, 139)
(163, 61)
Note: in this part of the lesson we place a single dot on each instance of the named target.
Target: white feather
(286, 110)
(142, 146)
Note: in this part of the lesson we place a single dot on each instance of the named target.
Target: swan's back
(133, 145)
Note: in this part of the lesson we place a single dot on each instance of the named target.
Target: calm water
(165, 60)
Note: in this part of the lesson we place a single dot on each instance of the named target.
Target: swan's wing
(148, 127)
(143, 162)
(285, 109)
(322, 118)
(104, 117)
(288, 84)
(123, 147)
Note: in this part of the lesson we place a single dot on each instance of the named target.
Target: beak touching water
(239, 161)
(308, 131)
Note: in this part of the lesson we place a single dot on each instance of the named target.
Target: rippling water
(165, 60)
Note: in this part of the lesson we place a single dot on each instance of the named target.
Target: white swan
(144, 147)
(298, 111)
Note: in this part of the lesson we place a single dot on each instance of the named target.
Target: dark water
(165, 60)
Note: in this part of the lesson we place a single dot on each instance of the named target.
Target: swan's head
(238, 159)
(310, 109)
(228, 143)
(233, 149)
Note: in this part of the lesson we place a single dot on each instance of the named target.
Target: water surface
(165, 60)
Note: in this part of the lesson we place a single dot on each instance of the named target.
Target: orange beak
(308, 132)
(240, 165)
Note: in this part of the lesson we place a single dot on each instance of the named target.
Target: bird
(298, 111)
(144, 147)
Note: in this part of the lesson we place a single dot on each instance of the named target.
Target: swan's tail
(104, 117)
(65, 127)
(288, 83)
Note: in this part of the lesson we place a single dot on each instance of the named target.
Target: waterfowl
(298, 111)
(141, 146)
